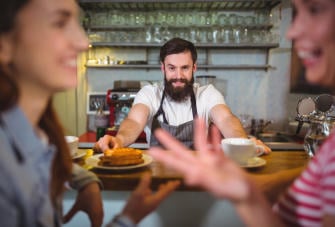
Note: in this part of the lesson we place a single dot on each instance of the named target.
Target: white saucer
(80, 153)
(254, 162)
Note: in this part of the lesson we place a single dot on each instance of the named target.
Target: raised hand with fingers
(143, 201)
(206, 167)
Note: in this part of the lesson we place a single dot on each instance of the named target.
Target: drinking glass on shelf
(249, 20)
(226, 35)
(166, 34)
(99, 18)
(190, 19)
(113, 18)
(149, 18)
(245, 36)
(139, 19)
(148, 34)
(179, 19)
(262, 17)
(157, 38)
(239, 20)
(232, 19)
(209, 35)
(214, 18)
(170, 18)
(130, 19)
(222, 18)
(255, 36)
(237, 35)
(124, 37)
(215, 34)
(161, 17)
(111, 36)
(209, 19)
(274, 38)
(184, 34)
(202, 35)
(200, 20)
(122, 18)
(193, 34)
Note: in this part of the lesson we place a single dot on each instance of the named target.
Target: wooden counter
(276, 161)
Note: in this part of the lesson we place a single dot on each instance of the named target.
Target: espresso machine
(120, 100)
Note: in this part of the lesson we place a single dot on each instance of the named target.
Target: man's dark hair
(176, 46)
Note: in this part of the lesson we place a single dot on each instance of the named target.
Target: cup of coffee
(72, 142)
(241, 149)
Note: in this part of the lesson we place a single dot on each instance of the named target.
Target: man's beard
(179, 94)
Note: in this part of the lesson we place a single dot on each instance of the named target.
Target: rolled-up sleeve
(82, 177)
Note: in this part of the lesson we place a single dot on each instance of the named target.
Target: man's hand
(88, 200)
(266, 149)
(143, 201)
(107, 142)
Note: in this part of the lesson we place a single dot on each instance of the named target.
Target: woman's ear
(6, 47)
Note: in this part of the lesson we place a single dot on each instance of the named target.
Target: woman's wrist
(123, 220)
(256, 205)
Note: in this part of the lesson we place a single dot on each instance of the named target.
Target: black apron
(183, 132)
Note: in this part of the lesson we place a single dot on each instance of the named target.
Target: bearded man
(175, 103)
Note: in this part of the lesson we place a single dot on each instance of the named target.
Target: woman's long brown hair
(49, 122)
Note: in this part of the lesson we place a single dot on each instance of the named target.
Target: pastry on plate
(121, 157)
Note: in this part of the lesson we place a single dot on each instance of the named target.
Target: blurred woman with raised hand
(310, 200)
(39, 44)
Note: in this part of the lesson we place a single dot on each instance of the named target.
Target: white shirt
(178, 112)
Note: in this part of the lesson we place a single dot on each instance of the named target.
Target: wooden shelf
(148, 66)
(148, 5)
(215, 45)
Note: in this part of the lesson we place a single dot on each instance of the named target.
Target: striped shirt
(312, 195)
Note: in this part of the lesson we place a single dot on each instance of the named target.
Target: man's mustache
(178, 80)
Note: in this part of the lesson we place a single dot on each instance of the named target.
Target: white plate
(79, 154)
(254, 162)
(94, 160)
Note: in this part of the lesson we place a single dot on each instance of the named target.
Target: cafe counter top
(88, 139)
(127, 180)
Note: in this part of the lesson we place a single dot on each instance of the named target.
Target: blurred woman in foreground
(310, 201)
(39, 44)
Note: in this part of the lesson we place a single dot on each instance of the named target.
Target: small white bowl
(72, 142)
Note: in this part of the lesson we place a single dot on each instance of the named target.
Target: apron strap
(160, 110)
(194, 105)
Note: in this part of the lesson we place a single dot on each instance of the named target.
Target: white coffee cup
(241, 149)
(72, 142)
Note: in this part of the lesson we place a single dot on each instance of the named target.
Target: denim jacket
(25, 173)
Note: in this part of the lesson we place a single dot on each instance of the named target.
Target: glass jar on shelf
(157, 36)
